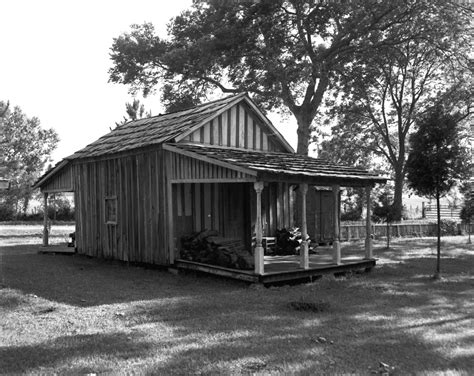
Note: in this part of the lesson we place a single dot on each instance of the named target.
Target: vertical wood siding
(136, 183)
(183, 167)
(277, 207)
(61, 182)
(320, 215)
(237, 127)
(224, 208)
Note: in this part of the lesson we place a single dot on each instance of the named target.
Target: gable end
(241, 125)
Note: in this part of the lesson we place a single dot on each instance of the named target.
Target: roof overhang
(267, 170)
(50, 173)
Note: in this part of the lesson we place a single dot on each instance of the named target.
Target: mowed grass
(75, 315)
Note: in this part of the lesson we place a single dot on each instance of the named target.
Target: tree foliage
(60, 208)
(467, 210)
(134, 111)
(26, 148)
(381, 97)
(352, 204)
(287, 54)
(438, 158)
(383, 208)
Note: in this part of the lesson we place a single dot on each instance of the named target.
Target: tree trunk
(388, 235)
(26, 202)
(469, 230)
(438, 245)
(398, 196)
(304, 132)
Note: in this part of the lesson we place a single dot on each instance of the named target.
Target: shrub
(354, 214)
(287, 241)
(7, 213)
(449, 227)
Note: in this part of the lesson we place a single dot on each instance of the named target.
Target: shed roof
(49, 173)
(274, 163)
(162, 128)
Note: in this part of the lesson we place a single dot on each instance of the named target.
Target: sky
(54, 61)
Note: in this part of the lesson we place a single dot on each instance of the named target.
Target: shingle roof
(154, 130)
(281, 163)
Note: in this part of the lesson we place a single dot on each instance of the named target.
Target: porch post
(304, 257)
(368, 226)
(45, 220)
(258, 255)
(336, 245)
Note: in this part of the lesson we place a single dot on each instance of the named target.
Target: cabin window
(111, 210)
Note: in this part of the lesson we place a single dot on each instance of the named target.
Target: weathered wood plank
(264, 141)
(250, 132)
(229, 128)
(197, 207)
(207, 211)
(223, 120)
(257, 138)
(233, 126)
(207, 133)
(187, 199)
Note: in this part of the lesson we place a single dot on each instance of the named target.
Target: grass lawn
(72, 314)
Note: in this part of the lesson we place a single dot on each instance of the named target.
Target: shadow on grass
(81, 281)
(396, 315)
(60, 352)
(10, 300)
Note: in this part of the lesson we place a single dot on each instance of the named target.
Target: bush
(287, 241)
(449, 227)
(467, 212)
(354, 214)
(34, 217)
(7, 213)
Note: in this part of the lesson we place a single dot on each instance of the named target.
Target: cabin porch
(248, 213)
(287, 269)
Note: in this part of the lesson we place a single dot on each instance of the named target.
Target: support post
(258, 255)
(45, 221)
(368, 226)
(304, 256)
(336, 244)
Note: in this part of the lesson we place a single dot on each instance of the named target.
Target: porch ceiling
(289, 167)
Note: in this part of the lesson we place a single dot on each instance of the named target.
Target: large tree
(26, 148)
(287, 54)
(438, 158)
(384, 94)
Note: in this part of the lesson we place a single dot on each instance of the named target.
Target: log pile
(208, 248)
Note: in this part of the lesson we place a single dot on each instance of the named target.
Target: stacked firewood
(208, 248)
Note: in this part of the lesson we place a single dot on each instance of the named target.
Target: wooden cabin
(221, 166)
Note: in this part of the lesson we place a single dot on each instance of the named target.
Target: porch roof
(274, 165)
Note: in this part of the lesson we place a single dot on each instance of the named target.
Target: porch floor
(286, 268)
